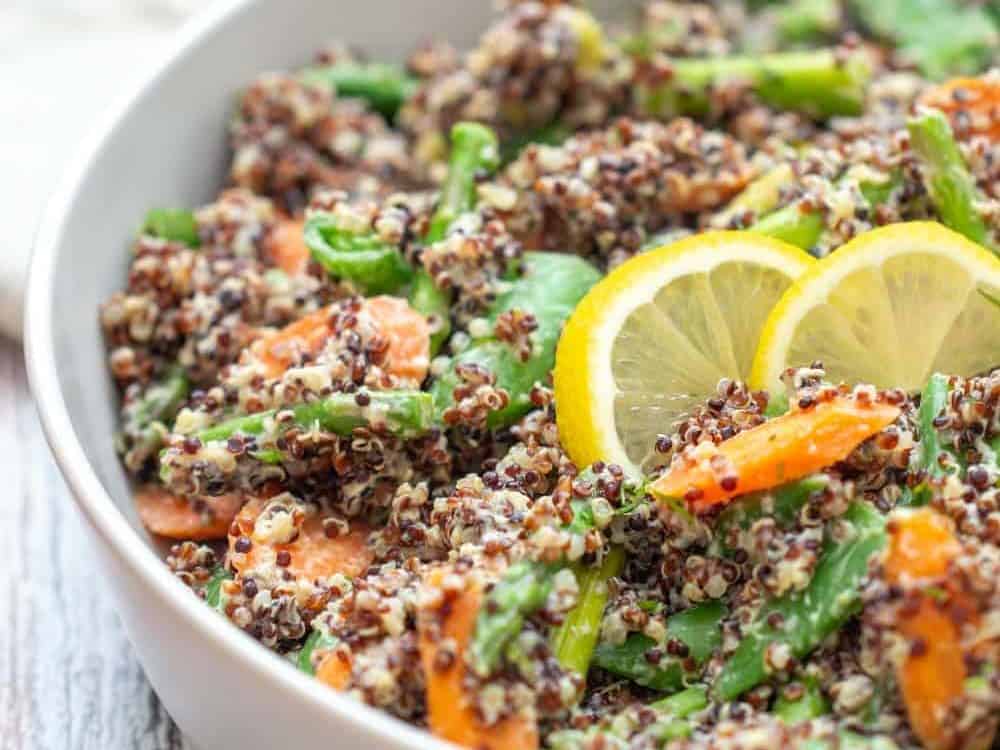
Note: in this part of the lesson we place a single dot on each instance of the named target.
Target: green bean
(817, 83)
(810, 705)
(318, 640)
(371, 264)
(385, 87)
(951, 186)
(803, 619)
(550, 289)
(573, 642)
(699, 628)
(172, 224)
(760, 197)
(474, 152)
(942, 37)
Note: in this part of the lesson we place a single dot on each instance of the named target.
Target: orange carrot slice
(178, 517)
(287, 248)
(311, 555)
(407, 331)
(932, 676)
(450, 713)
(782, 449)
(335, 670)
(409, 336)
(972, 104)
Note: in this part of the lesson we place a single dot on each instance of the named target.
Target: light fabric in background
(62, 62)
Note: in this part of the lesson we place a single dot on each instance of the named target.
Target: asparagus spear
(474, 152)
(952, 189)
(173, 224)
(550, 289)
(804, 229)
(404, 413)
(526, 585)
(699, 628)
(145, 420)
(385, 87)
(574, 641)
(523, 590)
(816, 83)
(801, 620)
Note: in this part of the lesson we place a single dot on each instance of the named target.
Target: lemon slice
(891, 307)
(656, 335)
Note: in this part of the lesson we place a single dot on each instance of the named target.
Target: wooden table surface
(68, 676)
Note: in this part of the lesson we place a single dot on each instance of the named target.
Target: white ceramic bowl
(165, 145)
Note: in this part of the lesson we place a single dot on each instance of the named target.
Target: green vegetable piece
(405, 414)
(807, 616)
(942, 37)
(810, 705)
(783, 504)
(933, 401)
(552, 286)
(172, 224)
(474, 153)
(146, 419)
(817, 83)
(318, 640)
(947, 178)
(804, 229)
(808, 21)
(385, 87)
(371, 264)
(213, 587)
(683, 704)
(522, 591)
(699, 628)
(573, 642)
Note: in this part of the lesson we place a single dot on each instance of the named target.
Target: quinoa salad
(605, 385)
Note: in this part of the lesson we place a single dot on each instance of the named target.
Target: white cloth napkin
(61, 63)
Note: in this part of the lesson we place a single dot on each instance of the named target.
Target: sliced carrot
(279, 351)
(335, 670)
(922, 544)
(407, 331)
(782, 449)
(409, 336)
(287, 248)
(179, 517)
(450, 711)
(972, 104)
(312, 554)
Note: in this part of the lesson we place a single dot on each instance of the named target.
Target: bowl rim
(89, 494)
